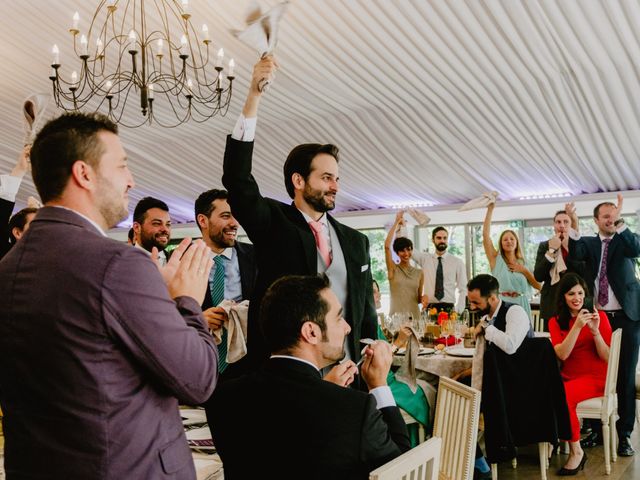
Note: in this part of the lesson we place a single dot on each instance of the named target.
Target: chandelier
(134, 60)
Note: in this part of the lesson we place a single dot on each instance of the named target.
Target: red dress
(584, 372)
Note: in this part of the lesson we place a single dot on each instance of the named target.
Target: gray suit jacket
(94, 357)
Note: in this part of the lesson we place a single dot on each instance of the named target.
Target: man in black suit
(302, 426)
(237, 260)
(12, 230)
(610, 260)
(549, 252)
(298, 238)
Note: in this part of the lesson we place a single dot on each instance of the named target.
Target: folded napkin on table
(480, 202)
(236, 326)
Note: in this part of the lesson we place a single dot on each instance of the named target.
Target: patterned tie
(603, 283)
(321, 242)
(216, 285)
(439, 280)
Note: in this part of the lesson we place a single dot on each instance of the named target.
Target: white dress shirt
(162, 257)
(454, 277)
(517, 327)
(9, 186)
(245, 129)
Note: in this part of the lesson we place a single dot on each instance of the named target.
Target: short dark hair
(567, 282)
(436, 230)
(204, 202)
(487, 284)
(299, 161)
(61, 142)
(146, 204)
(559, 212)
(289, 302)
(401, 243)
(596, 211)
(19, 220)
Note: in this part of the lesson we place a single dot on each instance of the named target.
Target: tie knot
(316, 226)
(218, 260)
(606, 240)
(440, 259)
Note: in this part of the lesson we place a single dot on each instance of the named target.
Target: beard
(483, 311)
(441, 247)
(148, 242)
(111, 206)
(316, 198)
(220, 240)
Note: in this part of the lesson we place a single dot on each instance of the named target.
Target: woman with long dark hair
(581, 339)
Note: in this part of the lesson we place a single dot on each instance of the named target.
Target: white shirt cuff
(550, 258)
(9, 186)
(384, 397)
(574, 235)
(622, 228)
(245, 129)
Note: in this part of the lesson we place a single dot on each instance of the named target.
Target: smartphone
(588, 303)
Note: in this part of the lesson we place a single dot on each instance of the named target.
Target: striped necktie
(216, 285)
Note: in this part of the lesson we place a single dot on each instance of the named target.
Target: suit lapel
(306, 237)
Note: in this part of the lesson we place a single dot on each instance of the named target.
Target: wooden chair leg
(494, 471)
(514, 463)
(614, 440)
(606, 437)
(544, 458)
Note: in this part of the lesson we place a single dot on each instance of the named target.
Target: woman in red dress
(581, 340)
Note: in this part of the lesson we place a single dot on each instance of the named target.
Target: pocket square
(364, 268)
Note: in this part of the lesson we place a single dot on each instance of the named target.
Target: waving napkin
(236, 326)
(419, 216)
(407, 372)
(485, 200)
(35, 110)
(558, 267)
(262, 31)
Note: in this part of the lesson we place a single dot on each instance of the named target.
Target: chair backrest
(456, 422)
(419, 463)
(614, 361)
(536, 322)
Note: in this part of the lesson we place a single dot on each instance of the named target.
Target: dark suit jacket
(623, 250)
(6, 208)
(523, 399)
(285, 245)
(247, 264)
(295, 425)
(94, 357)
(542, 273)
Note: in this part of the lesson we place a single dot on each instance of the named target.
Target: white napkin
(236, 326)
(478, 362)
(422, 218)
(480, 202)
(558, 267)
(407, 371)
(262, 32)
(34, 110)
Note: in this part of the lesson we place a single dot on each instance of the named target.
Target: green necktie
(216, 285)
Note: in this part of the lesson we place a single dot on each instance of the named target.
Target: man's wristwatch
(618, 222)
(553, 250)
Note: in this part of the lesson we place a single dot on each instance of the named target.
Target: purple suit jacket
(94, 357)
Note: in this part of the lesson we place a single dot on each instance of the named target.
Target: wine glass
(458, 331)
(447, 330)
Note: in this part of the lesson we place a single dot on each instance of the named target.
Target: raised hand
(555, 243)
(618, 211)
(376, 365)
(342, 374)
(23, 165)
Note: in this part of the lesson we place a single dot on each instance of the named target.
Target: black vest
(500, 320)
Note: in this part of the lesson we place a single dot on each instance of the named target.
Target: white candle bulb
(99, 46)
(189, 84)
(232, 65)
(151, 87)
(74, 77)
(108, 85)
(220, 58)
(185, 6)
(83, 45)
(205, 31)
(76, 20)
(183, 41)
(56, 55)
(160, 45)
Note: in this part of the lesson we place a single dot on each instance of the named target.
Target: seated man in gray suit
(95, 348)
(295, 424)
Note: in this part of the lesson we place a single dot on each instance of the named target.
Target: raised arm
(570, 208)
(388, 257)
(489, 249)
(422, 298)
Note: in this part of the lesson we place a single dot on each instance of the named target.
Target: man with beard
(552, 251)
(302, 427)
(152, 227)
(96, 348)
(300, 238)
(443, 274)
(233, 274)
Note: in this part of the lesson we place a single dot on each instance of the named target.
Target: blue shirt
(232, 284)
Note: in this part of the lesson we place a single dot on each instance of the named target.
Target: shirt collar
(161, 253)
(227, 252)
(497, 309)
(289, 357)
(98, 227)
(602, 237)
(322, 219)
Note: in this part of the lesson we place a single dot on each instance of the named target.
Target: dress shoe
(478, 475)
(624, 448)
(592, 440)
(569, 472)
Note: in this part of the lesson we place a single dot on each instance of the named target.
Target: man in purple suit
(96, 345)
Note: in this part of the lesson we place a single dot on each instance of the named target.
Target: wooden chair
(419, 463)
(605, 407)
(456, 422)
(536, 322)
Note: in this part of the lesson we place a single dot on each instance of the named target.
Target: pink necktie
(321, 242)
